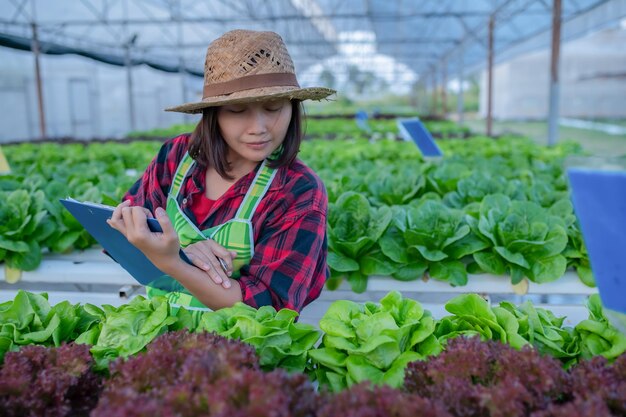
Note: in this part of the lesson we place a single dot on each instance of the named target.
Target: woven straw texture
(242, 53)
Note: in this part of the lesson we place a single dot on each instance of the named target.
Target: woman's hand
(161, 248)
(207, 254)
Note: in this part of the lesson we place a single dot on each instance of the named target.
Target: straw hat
(244, 66)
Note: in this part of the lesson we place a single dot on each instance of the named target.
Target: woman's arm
(289, 267)
(212, 295)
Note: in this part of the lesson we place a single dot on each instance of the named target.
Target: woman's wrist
(170, 266)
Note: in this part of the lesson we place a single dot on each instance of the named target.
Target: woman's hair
(209, 149)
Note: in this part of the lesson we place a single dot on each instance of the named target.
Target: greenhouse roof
(420, 36)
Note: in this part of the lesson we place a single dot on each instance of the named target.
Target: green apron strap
(181, 172)
(187, 231)
(261, 183)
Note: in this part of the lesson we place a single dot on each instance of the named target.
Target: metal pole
(35, 48)
(423, 104)
(128, 65)
(181, 58)
(444, 84)
(435, 106)
(129, 86)
(553, 115)
(490, 78)
(425, 96)
(459, 100)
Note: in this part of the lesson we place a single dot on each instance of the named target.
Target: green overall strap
(237, 234)
(187, 231)
(261, 183)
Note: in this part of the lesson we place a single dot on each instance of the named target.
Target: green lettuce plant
(128, 329)
(473, 189)
(544, 192)
(354, 228)
(30, 319)
(545, 331)
(429, 237)
(23, 226)
(444, 177)
(598, 337)
(473, 316)
(577, 255)
(525, 239)
(397, 186)
(277, 338)
(372, 342)
(69, 234)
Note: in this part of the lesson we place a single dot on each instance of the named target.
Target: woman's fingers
(129, 224)
(148, 213)
(215, 269)
(201, 261)
(217, 274)
(116, 221)
(166, 225)
(208, 263)
(139, 216)
(224, 257)
(224, 254)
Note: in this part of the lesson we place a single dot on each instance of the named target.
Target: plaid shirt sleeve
(289, 267)
(150, 191)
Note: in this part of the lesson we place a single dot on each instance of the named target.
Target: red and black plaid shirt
(289, 268)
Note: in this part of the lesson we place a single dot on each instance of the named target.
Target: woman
(249, 215)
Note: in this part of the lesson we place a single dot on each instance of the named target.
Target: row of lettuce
(358, 342)
(144, 359)
(31, 218)
(337, 128)
(500, 207)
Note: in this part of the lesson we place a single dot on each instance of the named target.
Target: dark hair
(209, 149)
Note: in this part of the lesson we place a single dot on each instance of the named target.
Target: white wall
(84, 98)
(592, 81)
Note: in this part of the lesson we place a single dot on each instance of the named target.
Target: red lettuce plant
(474, 378)
(184, 374)
(595, 380)
(598, 389)
(255, 393)
(579, 407)
(51, 382)
(363, 400)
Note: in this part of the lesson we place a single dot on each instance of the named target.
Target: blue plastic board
(599, 199)
(361, 120)
(414, 130)
(361, 114)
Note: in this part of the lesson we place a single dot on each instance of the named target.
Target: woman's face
(254, 130)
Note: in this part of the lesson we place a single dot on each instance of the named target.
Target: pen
(223, 263)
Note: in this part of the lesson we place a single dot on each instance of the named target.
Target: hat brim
(254, 95)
